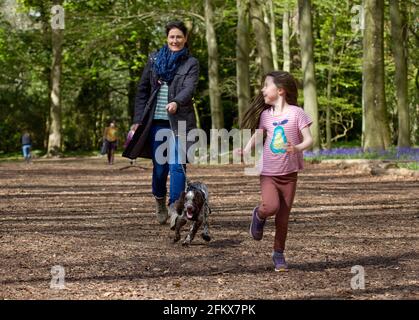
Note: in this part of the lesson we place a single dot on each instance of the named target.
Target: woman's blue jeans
(26, 150)
(172, 167)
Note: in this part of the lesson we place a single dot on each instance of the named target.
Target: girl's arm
(306, 144)
(251, 144)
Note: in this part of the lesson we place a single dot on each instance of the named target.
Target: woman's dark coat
(181, 90)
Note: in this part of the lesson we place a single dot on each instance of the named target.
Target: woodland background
(356, 63)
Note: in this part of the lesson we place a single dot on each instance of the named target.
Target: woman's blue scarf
(167, 62)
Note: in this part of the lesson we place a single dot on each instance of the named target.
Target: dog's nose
(189, 207)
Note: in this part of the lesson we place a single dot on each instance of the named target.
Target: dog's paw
(176, 238)
(206, 237)
(187, 241)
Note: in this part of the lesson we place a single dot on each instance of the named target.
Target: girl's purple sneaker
(279, 261)
(256, 225)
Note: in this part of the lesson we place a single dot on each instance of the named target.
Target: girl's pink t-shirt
(280, 130)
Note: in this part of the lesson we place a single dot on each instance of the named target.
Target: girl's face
(176, 39)
(270, 91)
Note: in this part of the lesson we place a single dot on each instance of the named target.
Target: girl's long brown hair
(282, 79)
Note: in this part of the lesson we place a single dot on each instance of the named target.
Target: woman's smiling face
(176, 40)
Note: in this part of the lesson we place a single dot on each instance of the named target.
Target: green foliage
(23, 96)
(346, 93)
(106, 45)
(410, 165)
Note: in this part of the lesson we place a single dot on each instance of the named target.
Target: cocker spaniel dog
(193, 205)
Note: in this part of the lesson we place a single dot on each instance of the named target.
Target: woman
(110, 137)
(164, 102)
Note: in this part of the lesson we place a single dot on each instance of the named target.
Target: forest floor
(97, 222)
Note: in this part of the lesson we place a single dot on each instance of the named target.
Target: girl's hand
(240, 152)
(291, 149)
(171, 107)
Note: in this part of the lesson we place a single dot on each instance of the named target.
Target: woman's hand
(171, 107)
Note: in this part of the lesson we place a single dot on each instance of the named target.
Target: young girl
(286, 130)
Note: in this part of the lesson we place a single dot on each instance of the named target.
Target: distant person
(287, 127)
(26, 146)
(110, 136)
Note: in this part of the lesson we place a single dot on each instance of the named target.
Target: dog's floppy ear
(199, 199)
(180, 203)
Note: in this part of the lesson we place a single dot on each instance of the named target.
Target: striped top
(280, 130)
(162, 101)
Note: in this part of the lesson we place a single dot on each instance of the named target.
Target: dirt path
(96, 221)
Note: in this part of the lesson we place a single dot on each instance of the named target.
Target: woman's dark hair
(178, 25)
(282, 79)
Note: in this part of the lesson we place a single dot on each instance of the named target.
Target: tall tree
(262, 35)
(272, 33)
(329, 84)
(286, 40)
(399, 41)
(307, 61)
(217, 117)
(242, 57)
(57, 35)
(376, 132)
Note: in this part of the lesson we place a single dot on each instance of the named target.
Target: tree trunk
(376, 132)
(191, 36)
(307, 61)
(242, 56)
(262, 38)
(132, 90)
(197, 117)
(272, 32)
(189, 25)
(286, 41)
(217, 116)
(54, 140)
(399, 41)
(329, 85)
(134, 79)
